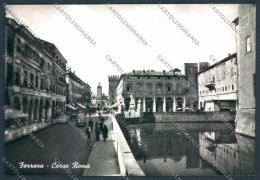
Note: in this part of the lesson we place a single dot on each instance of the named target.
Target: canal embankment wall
(127, 162)
(185, 117)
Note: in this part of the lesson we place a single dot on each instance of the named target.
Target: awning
(11, 112)
(81, 106)
(71, 107)
(211, 149)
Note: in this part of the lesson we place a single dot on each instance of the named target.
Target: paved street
(60, 141)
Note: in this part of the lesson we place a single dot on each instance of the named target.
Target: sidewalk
(102, 151)
(18, 132)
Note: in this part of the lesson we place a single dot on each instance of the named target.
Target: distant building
(246, 57)
(112, 80)
(169, 90)
(77, 94)
(99, 96)
(217, 85)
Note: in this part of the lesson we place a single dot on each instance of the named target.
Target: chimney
(163, 72)
(133, 71)
(143, 71)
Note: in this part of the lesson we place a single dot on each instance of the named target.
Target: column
(154, 105)
(144, 105)
(164, 104)
(183, 105)
(174, 104)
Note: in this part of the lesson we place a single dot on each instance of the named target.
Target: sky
(113, 38)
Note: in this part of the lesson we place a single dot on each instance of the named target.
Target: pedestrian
(101, 125)
(105, 132)
(91, 123)
(88, 132)
(97, 131)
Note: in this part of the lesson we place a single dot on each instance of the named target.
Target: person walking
(91, 123)
(88, 132)
(97, 131)
(105, 132)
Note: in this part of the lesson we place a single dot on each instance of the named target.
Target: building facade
(217, 85)
(155, 90)
(28, 73)
(112, 80)
(246, 56)
(58, 82)
(75, 87)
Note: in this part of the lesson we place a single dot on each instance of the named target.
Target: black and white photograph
(165, 90)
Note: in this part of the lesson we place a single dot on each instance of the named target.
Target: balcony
(210, 85)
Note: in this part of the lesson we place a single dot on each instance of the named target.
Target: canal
(200, 149)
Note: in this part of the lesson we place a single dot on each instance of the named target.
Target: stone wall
(127, 163)
(189, 117)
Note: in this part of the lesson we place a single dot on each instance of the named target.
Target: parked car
(225, 109)
(81, 123)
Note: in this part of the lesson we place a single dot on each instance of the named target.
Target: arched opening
(35, 113)
(25, 105)
(53, 113)
(127, 103)
(169, 104)
(40, 110)
(17, 104)
(30, 110)
(179, 102)
(159, 104)
(149, 104)
(47, 107)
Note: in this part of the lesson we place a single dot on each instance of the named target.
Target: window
(179, 89)
(148, 77)
(248, 44)
(138, 77)
(223, 75)
(169, 88)
(32, 79)
(17, 78)
(232, 87)
(222, 88)
(225, 88)
(25, 81)
(159, 77)
(10, 46)
(37, 81)
(41, 83)
(128, 88)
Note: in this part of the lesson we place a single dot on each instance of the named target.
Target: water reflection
(216, 144)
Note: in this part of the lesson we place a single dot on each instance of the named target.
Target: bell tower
(99, 96)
